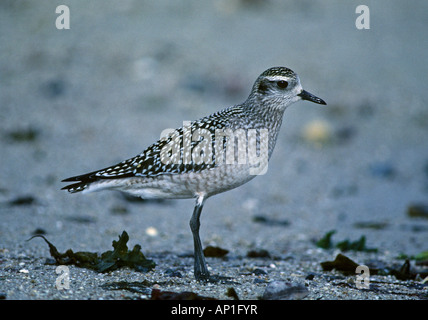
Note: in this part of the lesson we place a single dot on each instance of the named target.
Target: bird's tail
(84, 181)
(100, 179)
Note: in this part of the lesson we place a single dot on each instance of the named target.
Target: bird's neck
(266, 117)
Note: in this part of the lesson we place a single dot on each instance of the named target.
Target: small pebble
(173, 273)
(382, 170)
(259, 272)
(54, 88)
(281, 290)
(260, 253)
(317, 132)
(152, 231)
(215, 252)
(310, 276)
(258, 280)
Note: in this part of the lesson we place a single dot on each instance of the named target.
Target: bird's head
(279, 87)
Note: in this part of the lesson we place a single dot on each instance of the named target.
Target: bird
(208, 156)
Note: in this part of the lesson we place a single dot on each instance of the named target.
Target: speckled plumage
(194, 160)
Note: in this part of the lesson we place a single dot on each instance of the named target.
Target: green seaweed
(358, 245)
(325, 242)
(418, 210)
(23, 135)
(107, 261)
(340, 263)
(421, 256)
(345, 245)
(348, 267)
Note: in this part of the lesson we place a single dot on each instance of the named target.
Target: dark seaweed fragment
(107, 261)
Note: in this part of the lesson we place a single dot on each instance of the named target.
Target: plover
(208, 156)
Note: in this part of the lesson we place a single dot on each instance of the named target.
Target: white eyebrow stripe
(277, 78)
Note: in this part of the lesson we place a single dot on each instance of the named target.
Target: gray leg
(201, 271)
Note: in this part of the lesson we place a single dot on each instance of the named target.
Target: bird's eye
(282, 84)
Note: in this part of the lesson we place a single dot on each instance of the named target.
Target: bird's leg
(200, 271)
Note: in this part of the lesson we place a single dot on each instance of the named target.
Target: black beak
(310, 97)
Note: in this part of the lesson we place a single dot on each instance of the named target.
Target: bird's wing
(187, 149)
